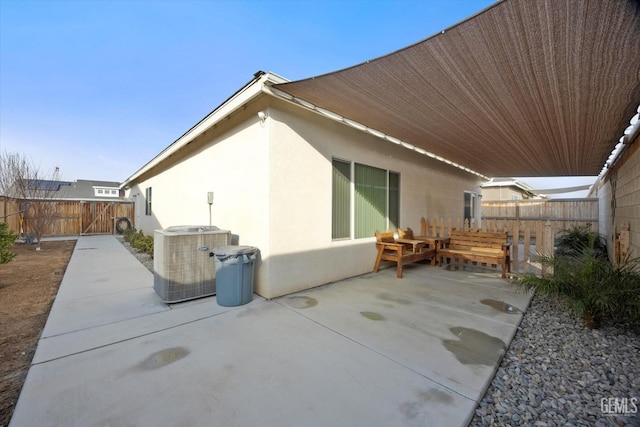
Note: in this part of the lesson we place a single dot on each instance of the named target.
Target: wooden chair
(401, 253)
(408, 234)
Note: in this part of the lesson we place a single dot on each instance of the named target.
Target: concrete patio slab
(372, 350)
(260, 365)
(455, 340)
(83, 313)
(103, 284)
(55, 347)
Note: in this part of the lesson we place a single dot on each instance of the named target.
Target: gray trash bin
(234, 274)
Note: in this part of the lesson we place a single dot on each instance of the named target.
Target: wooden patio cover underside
(523, 88)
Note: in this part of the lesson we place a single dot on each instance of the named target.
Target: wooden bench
(477, 247)
(402, 251)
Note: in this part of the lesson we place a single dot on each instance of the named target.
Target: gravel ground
(556, 372)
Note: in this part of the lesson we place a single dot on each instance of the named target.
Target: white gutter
(630, 134)
(262, 83)
(359, 126)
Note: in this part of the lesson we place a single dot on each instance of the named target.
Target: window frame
(470, 206)
(147, 201)
(392, 199)
(105, 191)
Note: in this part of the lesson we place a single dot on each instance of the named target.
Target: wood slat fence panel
(72, 217)
(564, 213)
(9, 213)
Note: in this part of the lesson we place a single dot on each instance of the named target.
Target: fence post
(515, 245)
(526, 246)
(624, 242)
(548, 246)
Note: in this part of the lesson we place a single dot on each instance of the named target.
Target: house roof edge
(247, 92)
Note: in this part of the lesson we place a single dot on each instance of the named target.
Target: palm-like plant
(573, 240)
(592, 286)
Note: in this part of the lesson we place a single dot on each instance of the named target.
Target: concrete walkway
(369, 351)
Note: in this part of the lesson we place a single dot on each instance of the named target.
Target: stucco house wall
(302, 253)
(502, 193)
(272, 184)
(619, 195)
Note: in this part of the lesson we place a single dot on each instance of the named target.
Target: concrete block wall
(619, 195)
(627, 199)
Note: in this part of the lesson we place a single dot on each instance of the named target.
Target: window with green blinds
(376, 200)
(370, 200)
(394, 200)
(147, 195)
(341, 203)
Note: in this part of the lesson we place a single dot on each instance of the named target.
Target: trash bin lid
(234, 251)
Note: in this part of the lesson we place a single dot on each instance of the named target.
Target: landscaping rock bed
(558, 373)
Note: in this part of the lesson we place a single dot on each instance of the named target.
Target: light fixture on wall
(210, 202)
(262, 116)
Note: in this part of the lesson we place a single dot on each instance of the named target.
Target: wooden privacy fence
(71, 217)
(563, 213)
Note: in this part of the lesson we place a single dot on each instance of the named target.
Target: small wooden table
(417, 241)
(431, 242)
(416, 244)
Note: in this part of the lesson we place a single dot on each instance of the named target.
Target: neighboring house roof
(511, 183)
(86, 190)
(77, 190)
(523, 88)
(45, 185)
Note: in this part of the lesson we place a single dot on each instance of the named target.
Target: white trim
(341, 119)
(106, 192)
(262, 83)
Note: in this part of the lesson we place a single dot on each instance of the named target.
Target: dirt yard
(28, 286)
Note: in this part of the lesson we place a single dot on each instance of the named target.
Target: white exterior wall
(272, 184)
(235, 167)
(302, 253)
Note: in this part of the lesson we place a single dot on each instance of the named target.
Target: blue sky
(99, 87)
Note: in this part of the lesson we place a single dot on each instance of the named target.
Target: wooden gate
(101, 217)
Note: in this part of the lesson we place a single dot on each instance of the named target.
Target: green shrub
(126, 234)
(592, 286)
(7, 240)
(139, 241)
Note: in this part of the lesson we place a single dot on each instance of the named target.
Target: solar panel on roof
(46, 185)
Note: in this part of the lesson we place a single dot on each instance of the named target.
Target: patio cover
(523, 88)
